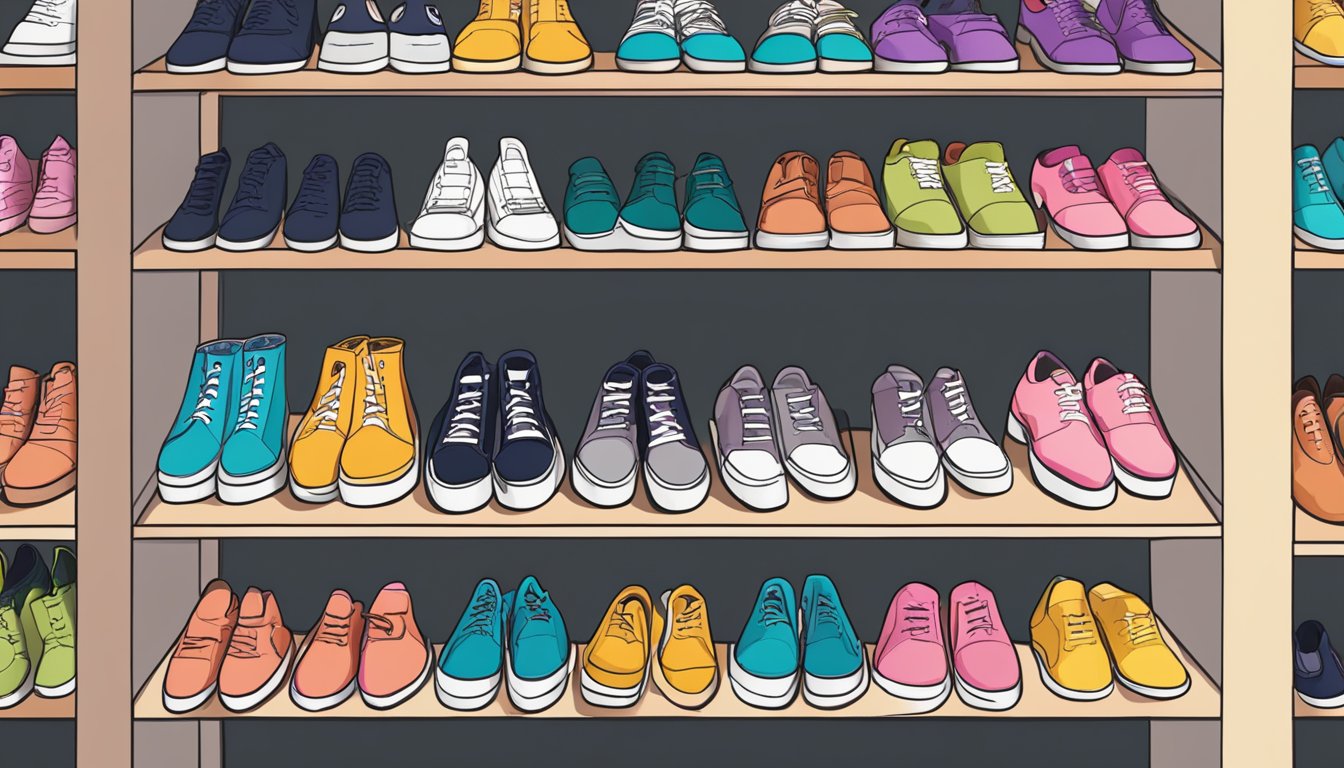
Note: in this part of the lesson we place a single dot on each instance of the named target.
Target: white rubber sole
(185, 490)
(1334, 61)
(1334, 702)
(907, 239)
(239, 246)
(979, 483)
(920, 495)
(841, 66)
(824, 487)
(760, 692)
(696, 239)
(55, 692)
(191, 246)
(801, 242)
(1087, 242)
(244, 68)
(1011, 65)
(393, 699)
(1152, 693)
(781, 69)
(692, 701)
(992, 701)
(457, 499)
(255, 487)
(215, 65)
(649, 67)
(1055, 485)
(556, 67)
(602, 494)
(249, 701)
(20, 693)
(376, 495)
(536, 695)
(862, 241)
(515, 244)
(321, 703)
(1068, 693)
(314, 495)
(909, 67)
(834, 693)
(353, 67)
(1028, 241)
(64, 52)
(1316, 241)
(929, 697)
(380, 245)
(1025, 36)
(181, 706)
(760, 495)
(1147, 487)
(1173, 242)
(466, 695)
(707, 66)
(306, 247)
(626, 237)
(672, 498)
(600, 695)
(474, 240)
(408, 67)
(486, 67)
(523, 496)
(1158, 67)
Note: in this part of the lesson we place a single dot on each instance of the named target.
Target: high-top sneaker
(54, 206)
(44, 467)
(18, 412)
(189, 457)
(252, 464)
(25, 581)
(18, 185)
(379, 463)
(315, 452)
(46, 36)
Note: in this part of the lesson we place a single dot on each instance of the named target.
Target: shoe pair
(1101, 37)
(1318, 474)
(957, 35)
(39, 431)
(667, 33)
(920, 431)
(649, 221)
(37, 625)
(1078, 639)
(46, 35)
(517, 639)
(911, 659)
(1318, 216)
(640, 417)
(792, 215)
(1318, 676)
(493, 437)
(811, 35)
(759, 432)
(229, 434)
(540, 34)
(780, 643)
(41, 193)
(1082, 438)
(1318, 30)
(250, 37)
(359, 41)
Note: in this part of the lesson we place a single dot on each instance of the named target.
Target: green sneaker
(20, 644)
(996, 212)
(54, 616)
(713, 219)
(917, 201)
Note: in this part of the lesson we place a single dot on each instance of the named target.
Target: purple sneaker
(1065, 38)
(1143, 39)
(902, 41)
(975, 42)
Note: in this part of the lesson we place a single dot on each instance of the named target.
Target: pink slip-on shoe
(54, 207)
(1141, 452)
(1069, 461)
(1064, 185)
(984, 662)
(18, 182)
(910, 660)
(1153, 221)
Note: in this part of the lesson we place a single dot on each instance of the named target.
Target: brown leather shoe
(18, 412)
(1318, 481)
(260, 653)
(193, 669)
(853, 211)
(44, 466)
(791, 217)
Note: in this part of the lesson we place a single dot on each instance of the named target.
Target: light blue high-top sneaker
(471, 665)
(712, 218)
(763, 665)
(1317, 216)
(189, 458)
(540, 655)
(252, 464)
(835, 670)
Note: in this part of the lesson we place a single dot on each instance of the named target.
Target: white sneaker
(519, 218)
(419, 42)
(46, 35)
(452, 217)
(356, 40)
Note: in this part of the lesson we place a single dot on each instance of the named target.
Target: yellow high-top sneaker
(553, 44)
(315, 451)
(379, 463)
(492, 42)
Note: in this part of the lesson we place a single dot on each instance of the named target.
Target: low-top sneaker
(616, 661)
(905, 457)
(471, 665)
(765, 662)
(203, 45)
(196, 221)
(529, 461)
(1141, 36)
(418, 41)
(810, 443)
(54, 206)
(253, 218)
(1153, 221)
(592, 208)
(712, 218)
(356, 39)
(328, 662)
(996, 211)
(369, 215)
(1141, 452)
(676, 474)
(910, 658)
(1318, 675)
(46, 35)
(1066, 38)
(902, 41)
(854, 213)
(649, 216)
(742, 433)
(1318, 217)
(650, 43)
(917, 200)
(18, 185)
(835, 665)
(786, 45)
(840, 44)
(706, 45)
(312, 222)
(970, 454)
(395, 659)
(975, 41)
(460, 444)
(985, 666)
(539, 656)
(606, 461)
(275, 36)
(517, 215)
(1065, 187)
(452, 217)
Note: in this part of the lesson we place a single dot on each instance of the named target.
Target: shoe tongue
(1060, 154)
(983, 150)
(925, 148)
(254, 605)
(1061, 376)
(586, 165)
(19, 373)
(339, 606)
(1304, 152)
(392, 601)
(1127, 155)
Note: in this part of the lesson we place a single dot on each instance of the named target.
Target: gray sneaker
(970, 454)
(742, 431)
(905, 457)
(676, 474)
(607, 458)
(814, 453)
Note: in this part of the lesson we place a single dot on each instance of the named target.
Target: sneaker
(313, 221)
(46, 35)
(275, 36)
(997, 214)
(369, 215)
(380, 462)
(985, 666)
(902, 41)
(54, 617)
(54, 204)
(553, 44)
(1318, 30)
(592, 208)
(975, 41)
(1142, 455)
(791, 218)
(1065, 187)
(261, 650)
(324, 676)
(315, 449)
(1143, 661)
(253, 218)
(1066, 38)
(742, 433)
(1318, 479)
(606, 461)
(195, 662)
(969, 452)
(19, 411)
(765, 662)
(854, 214)
(492, 42)
(910, 659)
(835, 665)
(189, 458)
(905, 456)
(461, 441)
(649, 217)
(1069, 655)
(1069, 459)
(395, 659)
(686, 666)
(1318, 676)
(252, 464)
(418, 41)
(705, 43)
(917, 200)
(1318, 218)
(18, 185)
(44, 467)
(452, 217)
(809, 440)
(529, 462)
(1141, 36)
(650, 43)
(539, 655)
(616, 660)
(471, 665)
(1153, 221)
(518, 218)
(676, 475)
(712, 218)
(786, 45)
(356, 41)
(196, 221)
(203, 45)
(840, 44)
(24, 583)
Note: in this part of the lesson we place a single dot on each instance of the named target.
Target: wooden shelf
(40, 708)
(21, 78)
(1309, 73)
(1302, 709)
(53, 521)
(152, 256)
(1306, 256)
(25, 249)
(1315, 537)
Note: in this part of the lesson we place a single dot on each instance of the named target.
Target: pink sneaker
(984, 661)
(54, 206)
(1141, 452)
(18, 178)
(1068, 458)
(1064, 185)
(910, 661)
(1153, 221)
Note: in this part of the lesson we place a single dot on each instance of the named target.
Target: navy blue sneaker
(1318, 676)
(196, 220)
(254, 215)
(369, 217)
(529, 460)
(356, 40)
(676, 474)
(418, 40)
(276, 36)
(314, 216)
(461, 441)
(203, 45)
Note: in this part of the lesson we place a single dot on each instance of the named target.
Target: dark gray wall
(37, 323)
(1316, 596)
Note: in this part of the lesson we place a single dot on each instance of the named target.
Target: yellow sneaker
(1143, 662)
(1318, 30)
(492, 42)
(380, 461)
(686, 668)
(616, 661)
(553, 43)
(1070, 656)
(315, 450)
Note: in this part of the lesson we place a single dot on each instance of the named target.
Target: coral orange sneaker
(315, 450)
(553, 44)
(791, 217)
(18, 412)
(193, 667)
(492, 42)
(395, 659)
(616, 661)
(379, 462)
(329, 660)
(260, 653)
(44, 468)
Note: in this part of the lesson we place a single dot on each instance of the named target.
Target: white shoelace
(452, 188)
(465, 425)
(375, 413)
(926, 173)
(755, 418)
(46, 12)
(1000, 179)
(329, 405)
(662, 421)
(517, 184)
(209, 391)
(1313, 173)
(803, 412)
(247, 411)
(955, 393)
(1070, 398)
(615, 413)
(653, 16)
(1137, 402)
(696, 16)
(518, 409)
(912, 406)
(794, 12)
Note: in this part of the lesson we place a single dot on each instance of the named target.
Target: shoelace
(550, 10)
(954, 391)
(1313, 173)
(772, 608)
(696, 16)
(689, 618)
(1078, 178)
(706, 180)
(312, 195)
(975, 616)
(1138, 176)
(452, 188)
(794, 12)
(837, 20)
(52, 412)
(1079, 628)
(12, 406)
(487, 10)
(621, 624)
(803, 411)
(465, 424)
(615, 411)
(243, 643)
(380, 622)
(653, 15)
(333, 631)
(54, 168)
(1141, 629)
(520, 413)
(918, 619)
(263, 16)
(204, 186)
(250, 183)
(192, 646)
(902, 18)
(364, 192)
(1070, 400)
(205, 402)
(651, 176)
(46, 12)
(1133, 396)
(518, 188)
(1071, 17)
(1310, 416)
(664, 424)
(253, 386)
(912, 406)
(755, 417)
(1000, 178)
(329, 405)
(825, 613)
(926, 171)
(375, 397)
(482, 615)
(1323, 8)
(534, 607)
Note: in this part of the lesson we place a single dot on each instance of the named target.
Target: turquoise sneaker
(539, 653)
(840, 45)
(471, 665)
(835, 669)
(650, 44)
(706, 45)
(786, 45)
(763, 665)
(252, 463)
(591, 208)
(189, 458)
(1318, 218)
(649, 216)
(713, 219)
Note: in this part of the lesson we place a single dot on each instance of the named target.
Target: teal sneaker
(840, 45)
(713, 219)
(1318, 218)
(252, 463)
(650, 44)
(706, 45)
(591, 208)
(649, 216)
(786, 45)
(540, 655)
(763, 664)
(189, 458)
(471, 665)
(835, 669)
